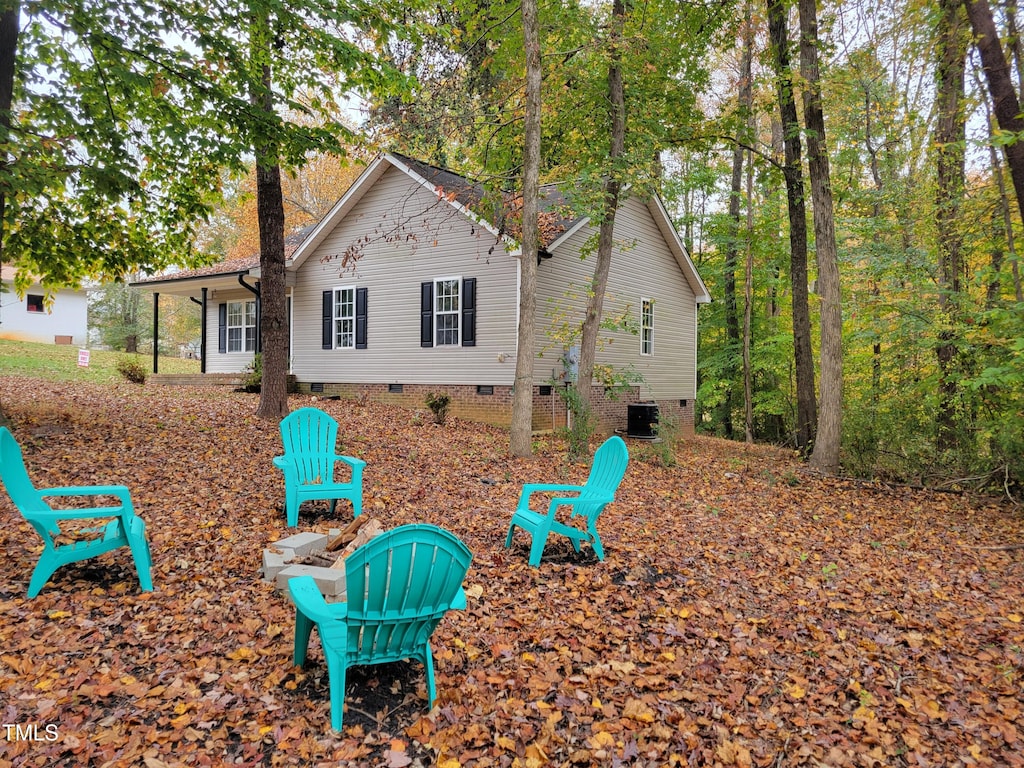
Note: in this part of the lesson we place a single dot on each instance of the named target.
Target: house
(32, 317)
(405, 288)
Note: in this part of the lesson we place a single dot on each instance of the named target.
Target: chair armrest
(307, 598)
(459, 601)
(557, 502)
(531, 488)
(71, 513)
(352, 461)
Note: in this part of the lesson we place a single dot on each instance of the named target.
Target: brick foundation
(471, 404)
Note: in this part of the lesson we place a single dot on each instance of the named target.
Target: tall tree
(273, 404)
(950, 141)
(611, 190)
(522, 395)
(806, 416)
(825, 456)
(1005, 101)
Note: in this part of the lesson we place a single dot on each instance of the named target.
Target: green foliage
(438, 403)
(131, 369)
(252, 375)
(582, 422)
(128, 114)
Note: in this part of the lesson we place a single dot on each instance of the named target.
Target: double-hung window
(447, 294)
(646, 326)
(345, 318)
(448, 312)
(241, 325)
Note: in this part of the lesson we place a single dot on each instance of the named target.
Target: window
(35, 303)
(344, 318)
(646, 326)
(241, 326)
(448, 312)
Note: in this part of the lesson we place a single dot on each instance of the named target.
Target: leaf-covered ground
(747, 612)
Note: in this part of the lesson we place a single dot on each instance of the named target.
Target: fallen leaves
(746, 614)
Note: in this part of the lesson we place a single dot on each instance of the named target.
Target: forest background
(140, 144)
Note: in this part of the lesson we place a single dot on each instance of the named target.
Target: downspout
(255, 290)
(202, 330)
(156, 332)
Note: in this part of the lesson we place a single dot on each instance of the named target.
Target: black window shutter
(222, 328)
(327, 342)
(426, 314)
(360, 318)
(469, 312)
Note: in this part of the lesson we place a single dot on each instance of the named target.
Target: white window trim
(646, 343)
(243, 327)
(456, 313)
(338, 317)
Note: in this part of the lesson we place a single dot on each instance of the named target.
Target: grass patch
(60, 362)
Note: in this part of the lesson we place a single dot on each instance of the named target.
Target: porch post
(156, 332)
(202, 337)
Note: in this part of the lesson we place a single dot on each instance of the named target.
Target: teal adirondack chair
(589, 501)
(309, 437)
(125, 530)
(398, 587)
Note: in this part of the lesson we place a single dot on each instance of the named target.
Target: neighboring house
(65, 320)
(404, 289)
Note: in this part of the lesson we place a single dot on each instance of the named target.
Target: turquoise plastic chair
(606, 473)
(125, 530)
(398, 587)
(309, 437)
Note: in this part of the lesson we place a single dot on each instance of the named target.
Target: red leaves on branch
(747, 613)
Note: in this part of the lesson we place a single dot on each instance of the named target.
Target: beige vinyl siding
(228, 362)
(406, 235)
(642, 266)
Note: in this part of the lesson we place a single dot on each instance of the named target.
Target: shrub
(438, 402)
(252, 375)
(132, 370)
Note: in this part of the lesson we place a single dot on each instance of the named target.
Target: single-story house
(405, 287)
(30, 317)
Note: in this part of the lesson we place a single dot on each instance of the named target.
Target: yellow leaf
(602, 740)
(476, 590)
(796, 691)
(1015, 618)
(529, 657)
(637, 710)
(243, 653)
(506, 743)
(58, 614)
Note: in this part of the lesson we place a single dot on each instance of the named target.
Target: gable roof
(559, 222)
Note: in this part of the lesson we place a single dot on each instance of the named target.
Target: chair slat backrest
(606, 473)
(399, 586)
(309, 437)
(15, 477)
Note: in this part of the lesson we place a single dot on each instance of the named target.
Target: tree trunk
(746, 113)
(732, 323)
(273, 405)
(950, 138)
(8, 50)
(522, 395)
(612, 187)
(825, 456)
(803, 357)
(1000, 85)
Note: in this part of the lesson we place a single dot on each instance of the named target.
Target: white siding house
(31, 317)
(404, 289)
